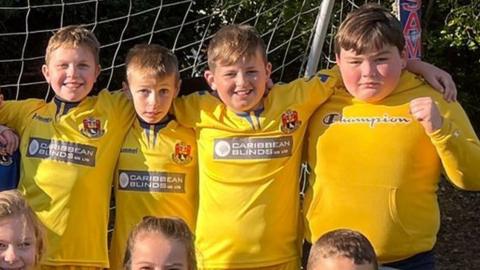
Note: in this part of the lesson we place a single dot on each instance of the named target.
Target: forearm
(459, 150)
(436, 77)
(416, 66)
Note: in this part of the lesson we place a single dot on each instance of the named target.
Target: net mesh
(184, 26)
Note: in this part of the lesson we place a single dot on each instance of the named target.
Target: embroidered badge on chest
(290, 121)
(92, 128)
(5, 158)
(183, 153)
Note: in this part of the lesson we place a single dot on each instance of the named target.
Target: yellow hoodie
(375, 170)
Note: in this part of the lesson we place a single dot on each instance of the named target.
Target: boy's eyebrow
(177, 264)
(376, 54)
(382, 52)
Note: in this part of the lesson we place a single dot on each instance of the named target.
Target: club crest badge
(290, 121)
(183, 153)
(92, 128)
(5, 158)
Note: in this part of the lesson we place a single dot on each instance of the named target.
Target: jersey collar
(63, 107)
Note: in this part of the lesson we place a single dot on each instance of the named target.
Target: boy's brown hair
(12, 204)
(345, 243)
(73, 36)
(233, 42)
(171, 228)
(368, 28)
(153, 58)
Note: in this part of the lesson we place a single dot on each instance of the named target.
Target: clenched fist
(425, 111)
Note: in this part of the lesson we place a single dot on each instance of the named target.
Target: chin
(149, 121)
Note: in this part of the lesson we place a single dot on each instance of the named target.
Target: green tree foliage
(451, 35)
(451, 39)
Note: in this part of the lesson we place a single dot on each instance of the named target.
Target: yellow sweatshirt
(375, 170)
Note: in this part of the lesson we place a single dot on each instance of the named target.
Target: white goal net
(185, 26)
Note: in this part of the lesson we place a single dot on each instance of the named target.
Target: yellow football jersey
(68, 154)
(248, 173)
(156, 175)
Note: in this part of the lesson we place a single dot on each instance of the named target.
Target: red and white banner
(409, 15)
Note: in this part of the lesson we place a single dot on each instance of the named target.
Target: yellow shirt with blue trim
(376, 170)
(249, 172)
(156, 175)
(68, 156)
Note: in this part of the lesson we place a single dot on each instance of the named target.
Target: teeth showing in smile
(243, 92)
(73, 84)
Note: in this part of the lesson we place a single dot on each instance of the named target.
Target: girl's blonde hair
(170, 228)
(12, 204)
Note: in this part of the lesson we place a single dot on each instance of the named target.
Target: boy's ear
(268, 69)
(179, 85)
(404, 57)
(126, 90)
(337, 58)
(46, 73)
(98, 68)
(208, 74)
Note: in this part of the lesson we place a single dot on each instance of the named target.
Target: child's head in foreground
(342, 250)
(72, 63)
(238, 67)
(160, 243)
(370, 52)
(153, 80)
(21, 238)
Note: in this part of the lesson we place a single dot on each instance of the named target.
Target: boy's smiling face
(241, 86)
(371, 76)
(71, 72)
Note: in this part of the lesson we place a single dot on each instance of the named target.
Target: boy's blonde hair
(73, 36)
(233, 42)
(345, 243)
(368, 28)
(12, 204)
(170, 228)
(153, 58)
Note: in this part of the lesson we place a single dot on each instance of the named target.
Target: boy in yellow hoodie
(378, 146)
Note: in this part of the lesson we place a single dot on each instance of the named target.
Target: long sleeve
(458, 147)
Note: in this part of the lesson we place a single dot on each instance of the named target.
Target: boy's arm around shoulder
(457, 144)
(436, 77)
(15, 113)
(315, 89)
(118, 107)
(188, 110)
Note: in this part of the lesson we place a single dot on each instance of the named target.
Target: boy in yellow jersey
(342, 249)
(68, 150)
(156, 171)
(249, 147)
(378, 146)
